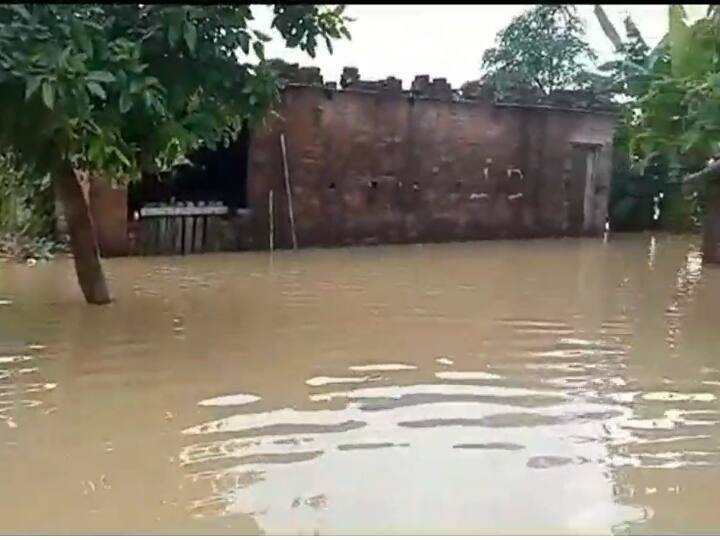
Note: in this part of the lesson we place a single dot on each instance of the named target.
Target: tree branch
(709, 173)
(542, 88)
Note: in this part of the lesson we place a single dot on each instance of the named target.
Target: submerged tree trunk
(83, 240)
(711, 226)
(710, 176)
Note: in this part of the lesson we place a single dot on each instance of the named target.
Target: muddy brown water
(550, 386)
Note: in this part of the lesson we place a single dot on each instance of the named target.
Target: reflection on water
(510, 387)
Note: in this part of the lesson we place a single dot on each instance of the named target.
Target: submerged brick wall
(371, 164)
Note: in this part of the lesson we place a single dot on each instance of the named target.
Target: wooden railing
(180, 228)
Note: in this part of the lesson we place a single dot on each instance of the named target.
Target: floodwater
(549, 386)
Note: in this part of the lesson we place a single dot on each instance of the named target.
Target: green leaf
(21, 10)
(609, 66)
(608, 27)
(680, 39)
(94, 26)
(96, 90)
(190, 36)
(152, 81)
(244, 42)
(32, 85)
(690, 139)
(83, 39)
(259, 50)
(120, 156)
(636, 69)
(657, 52)
(262, 36)
(125, 103)
(64, 56)
(174, 32)
(136, 85)
(48, 94)
(101, 76)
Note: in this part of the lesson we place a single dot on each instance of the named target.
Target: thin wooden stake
(272, 220)
(288, 191)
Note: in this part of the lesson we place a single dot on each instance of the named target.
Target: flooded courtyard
(547, 386)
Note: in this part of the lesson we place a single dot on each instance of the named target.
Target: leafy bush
(26, 212)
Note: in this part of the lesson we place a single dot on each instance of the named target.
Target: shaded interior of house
(371, 163)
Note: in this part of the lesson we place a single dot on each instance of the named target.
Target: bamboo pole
(271, 220)
(288, 191)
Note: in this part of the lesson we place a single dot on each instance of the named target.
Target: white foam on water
(15, 358)
(322, 381)
(234, 399)
(382, 367)
(467, 375)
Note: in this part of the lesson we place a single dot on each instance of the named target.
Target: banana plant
(637, 63)
(680, 112)
(638, 176)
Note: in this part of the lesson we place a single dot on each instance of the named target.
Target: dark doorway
(218, 175)
(582, 187)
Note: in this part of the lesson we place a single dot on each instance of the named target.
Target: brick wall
(373, 164)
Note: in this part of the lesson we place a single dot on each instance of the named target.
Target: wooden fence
(179, 229)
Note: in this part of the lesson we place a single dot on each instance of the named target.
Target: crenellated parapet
(439, 89)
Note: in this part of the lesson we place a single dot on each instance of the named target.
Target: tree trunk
(83, 241)
(710, 175)
(711, 226)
